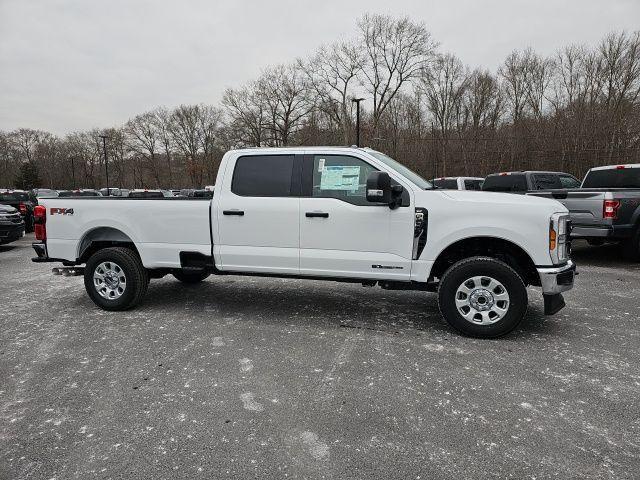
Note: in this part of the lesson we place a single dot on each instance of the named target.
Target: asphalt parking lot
(263, 378)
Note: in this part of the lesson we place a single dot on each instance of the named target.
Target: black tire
(507, 277)
(136, 276)
(191, 277)
(631, 247)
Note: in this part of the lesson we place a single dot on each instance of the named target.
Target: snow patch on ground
(249, 403)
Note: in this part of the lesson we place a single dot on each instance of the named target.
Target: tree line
(569, 111)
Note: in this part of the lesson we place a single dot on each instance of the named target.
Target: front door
(343, 235)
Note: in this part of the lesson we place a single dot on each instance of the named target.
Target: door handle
(317, 214)
(238, 213)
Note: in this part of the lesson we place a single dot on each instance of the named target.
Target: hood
(510, 199)
(7, 209)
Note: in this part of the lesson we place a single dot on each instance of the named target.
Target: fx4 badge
(387, 267)
(61, 211)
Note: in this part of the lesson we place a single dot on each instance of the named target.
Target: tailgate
(585, 206)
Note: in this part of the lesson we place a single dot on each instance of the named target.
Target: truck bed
(586, 210)
(159, 227)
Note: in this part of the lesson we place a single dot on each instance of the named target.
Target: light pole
(73, 173)
(357, 102)
(106, 168)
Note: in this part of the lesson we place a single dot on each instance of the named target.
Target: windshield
(12, 196)
(402, 170)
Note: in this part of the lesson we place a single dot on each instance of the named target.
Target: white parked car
(458, 183)
(341, 214)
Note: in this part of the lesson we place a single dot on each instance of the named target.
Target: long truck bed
(162, 227)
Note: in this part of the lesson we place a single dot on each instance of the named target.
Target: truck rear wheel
(190, 277)
(115, 278)
(482, 297)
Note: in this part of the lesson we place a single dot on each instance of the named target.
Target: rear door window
(546, 181)
(263, 176)
(569, 181)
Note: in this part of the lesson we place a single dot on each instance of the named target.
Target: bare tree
(247, 115)
(397, 51)
(162, 121)
(284, 90)
(443, 86)
(332, 72)
(144, 140)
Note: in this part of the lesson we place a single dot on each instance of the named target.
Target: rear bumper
(613, 232)
(556, 280)
(41, 252)
(11, 232)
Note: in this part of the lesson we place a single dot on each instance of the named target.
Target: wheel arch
(495, 247)
(102, 237)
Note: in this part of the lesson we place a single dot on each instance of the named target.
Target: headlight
(558, 238)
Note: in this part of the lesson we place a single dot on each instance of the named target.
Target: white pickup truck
(340, 214)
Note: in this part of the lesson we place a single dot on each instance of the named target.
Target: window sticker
(345, 178)
(320, 165)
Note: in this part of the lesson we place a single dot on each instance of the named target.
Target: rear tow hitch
(68, 271)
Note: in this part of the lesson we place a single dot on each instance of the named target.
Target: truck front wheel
(115, 278)
(482, 297)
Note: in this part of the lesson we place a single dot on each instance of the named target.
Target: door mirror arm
(396, 196)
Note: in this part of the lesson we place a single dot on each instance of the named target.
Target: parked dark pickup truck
(606, 208)
(23, 202)
(11, 224)
(528, 181)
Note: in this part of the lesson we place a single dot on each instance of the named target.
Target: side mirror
(379, 187)
(380, 190)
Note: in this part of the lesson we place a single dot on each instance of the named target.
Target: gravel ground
(268, 378)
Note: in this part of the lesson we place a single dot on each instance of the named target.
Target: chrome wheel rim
(109, 280)
(482, 300)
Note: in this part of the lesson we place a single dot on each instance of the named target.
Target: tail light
(610, 209)
(40, 222)
(23, 209)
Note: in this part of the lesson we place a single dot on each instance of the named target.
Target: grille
(11, 217)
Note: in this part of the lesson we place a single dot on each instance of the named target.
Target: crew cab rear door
(343, 235)
(257, 211)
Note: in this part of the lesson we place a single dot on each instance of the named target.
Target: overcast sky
(74, 65)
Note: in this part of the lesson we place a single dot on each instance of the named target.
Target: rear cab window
(505, 183)
(445, 183)
(473, 184)
(613, 178)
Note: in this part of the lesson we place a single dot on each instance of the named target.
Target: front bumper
(556, 280)
(11, 232)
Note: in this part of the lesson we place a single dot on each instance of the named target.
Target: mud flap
(553, 303)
